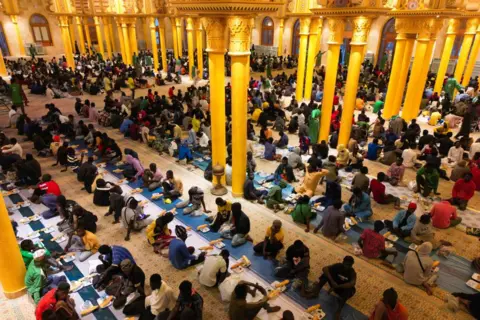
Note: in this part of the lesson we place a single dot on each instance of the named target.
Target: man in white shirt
(162, 300)
(203, 140)
(13, 148)
(12, 116)
(455, 154)
(410, 156)
(214, 269)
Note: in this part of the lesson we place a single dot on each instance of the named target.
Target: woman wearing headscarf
(418, 267)
(158, 234)
(134, 168)
(314, 126)
(343, 156)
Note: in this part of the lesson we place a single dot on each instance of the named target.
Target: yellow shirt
(310, 181)
(226, 208)
(434, 117)
(131, 83)
(278, 236)
(91, 242)
(256, 114)
(151, 231)
(359, 104)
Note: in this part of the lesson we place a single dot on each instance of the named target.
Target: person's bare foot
(249, 238)
(273, 309)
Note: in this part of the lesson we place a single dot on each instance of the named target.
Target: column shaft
(98, 28)
(107, 37)
(67, 43)
(393, 83)
(312, 52)
(132, 33)
(21, 48)
(12, 268)
(423, 76)
(446, 53)
(71, 32)
(361, 30)
(122, 43)
(146, 34)
(402, 81)
(472, 59)
(191, 58)
(304, 29)
(112, 39)
(466, 45)
(153, 38)
(280, 38)
(336, 27)
(178, 24)
(3, 69)
(409, 111)
(163, 47)
(126, 43)
(199, 43)
(81, 38)
(87, 33)
(174, 36)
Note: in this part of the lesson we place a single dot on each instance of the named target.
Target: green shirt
(28, 256)
(35, 280)
(302, 212)
(431, 178)
(377, 106)
(16, 94)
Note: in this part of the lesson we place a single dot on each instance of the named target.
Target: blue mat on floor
(86, 293)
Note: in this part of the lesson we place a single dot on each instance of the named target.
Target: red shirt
(442, 212)
(47, 302)
(476, 175)
(378, 190)
(463, 190)
(50, 187)
(373, 243)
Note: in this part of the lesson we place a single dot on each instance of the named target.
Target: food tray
(476, 277)
(473, 284)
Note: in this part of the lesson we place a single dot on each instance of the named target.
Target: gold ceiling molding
(225, 7)
(350, 11)
(444, 13)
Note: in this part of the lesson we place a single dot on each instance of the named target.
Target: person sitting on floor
(303, 213)
(240, 227)
(214, 269)
(58, 301)
(194, 202)
(240, 309)
(224, 210)
(444, 215)
(427, 180)
(285, 171)
(134, 168)
(389, 308)
(273, 242)
(373, 243)
(310, 181)
(471, 302)
(395, 172)
(133, 282)
(374, 150)
(47, 199)
(189, 304)
(295, 160)
(172, 187)
(342, 279)
(133, 218)
(252, 193)
(37, 282)
(423, 231)
(158, 233)
(87, 173)
(418, 267)
(333, 221)
(274, 198)
(101, 195)
(360, 180)
(463, 190)
(459, 171)
(359, 205)
(377, 188)
(403, 222)
(83, 242)
(48, 185)
(184, 151)
(295, 265)
(179, 254)
(283, 141)
(152, 177)
(270, 150)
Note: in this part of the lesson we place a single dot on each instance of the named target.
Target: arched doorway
(3, 42)
(296, 38)
(387, 44)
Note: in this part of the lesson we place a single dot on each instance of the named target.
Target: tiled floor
(372, 280)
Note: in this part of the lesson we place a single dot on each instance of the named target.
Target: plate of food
(476, 277)
(206, 248)
(117, 170)
(105, 302)
(219, 245)
(75, 286)
(35, 217)
(413, 246)
(281, 285)
(156, 196)
(33, 235)
(49, 229)
(24, 220)
(69, 257)
(205, 230)
(136, 190)
(473, 284)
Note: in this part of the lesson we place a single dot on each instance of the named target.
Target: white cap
(39, 254)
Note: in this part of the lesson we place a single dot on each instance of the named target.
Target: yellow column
(190, 47)
(394, 82)
(402, 79)
(12, 268)
(126, 44)
(240, 29)
(163, 46)
(153, 37)
(67, 44)
(335, 39)
(215, 28)
(472, 59)
(98, 29)
(21, 48)
(312, 52)
(446, 53)
(87, 34)
(304, 28)
(199, 40)
(361, 29)
(107, 37)
(3, 69)
(71, 32)
(81, 38)
(466, 44)
(174, 36)
(415, 83)
(145, 32)
(423, 76)
(133, 37)
(112, 39)
(280, 37)
(120, 38)
(178, 24)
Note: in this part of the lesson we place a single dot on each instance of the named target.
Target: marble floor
(372, 279)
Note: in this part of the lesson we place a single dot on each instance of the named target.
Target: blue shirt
(119, 254)
(50, 201)
(178, 254)
(372, 153)
(125, 124)
(410, 223)
(270, 150)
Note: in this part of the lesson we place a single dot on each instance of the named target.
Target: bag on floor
(227, 286)
(412, 186)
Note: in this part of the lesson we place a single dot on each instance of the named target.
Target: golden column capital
(361, 29)
(472, 25)
(214, 28)
(336, 27)
(452, 26)
(178, 21)
(190, 24)
(198, 24)
(282, 22)
(62, 21)
(240, 29)
(305, 26)
(314, 26)
(14, 18)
